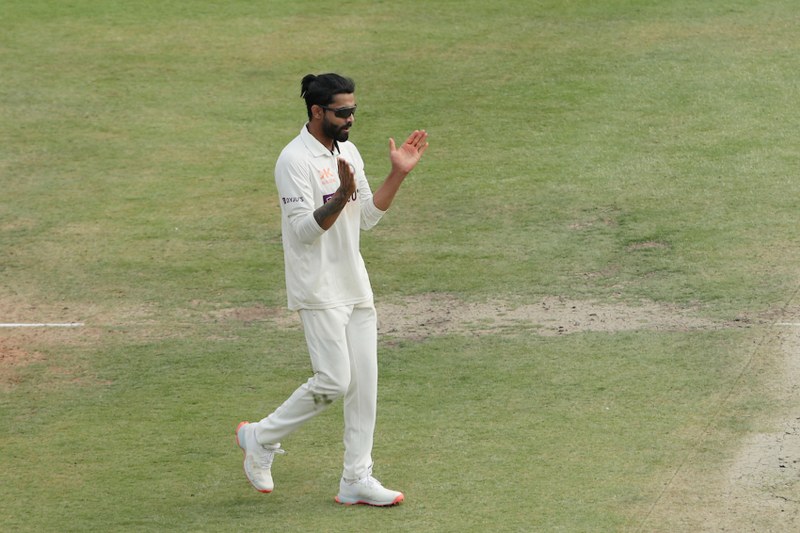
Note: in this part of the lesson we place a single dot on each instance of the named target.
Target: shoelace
(269, 454)
(372, 482)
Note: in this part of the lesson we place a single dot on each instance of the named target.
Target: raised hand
(347, 181)
(405, 157)
(327, 214)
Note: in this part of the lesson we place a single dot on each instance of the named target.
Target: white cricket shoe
(367, 491)
(257, 457)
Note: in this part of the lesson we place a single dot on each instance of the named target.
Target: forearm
(327, 214)
(383, 197)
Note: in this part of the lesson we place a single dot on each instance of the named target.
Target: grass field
(614, 151)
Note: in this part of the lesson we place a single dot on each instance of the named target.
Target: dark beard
(333, 132)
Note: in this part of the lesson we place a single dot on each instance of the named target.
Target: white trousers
(343, 344)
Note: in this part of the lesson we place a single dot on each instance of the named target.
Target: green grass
(524, 433)
(620, 150)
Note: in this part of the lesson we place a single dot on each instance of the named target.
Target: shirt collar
(316, 148)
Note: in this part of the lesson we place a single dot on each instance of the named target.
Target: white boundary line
(794, 324)
(41, 325)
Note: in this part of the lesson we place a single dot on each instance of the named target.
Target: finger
(345, 168)
(417, 138)
(422, 139)
(392, 146)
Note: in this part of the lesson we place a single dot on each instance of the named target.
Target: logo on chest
(326, 176)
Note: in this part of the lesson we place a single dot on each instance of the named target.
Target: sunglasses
(341, 112)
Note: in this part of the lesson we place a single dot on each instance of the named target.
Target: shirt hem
(330, 305)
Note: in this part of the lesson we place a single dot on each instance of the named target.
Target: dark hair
(320, 90)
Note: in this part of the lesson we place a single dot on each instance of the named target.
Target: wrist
(398, 174)
(340, 198)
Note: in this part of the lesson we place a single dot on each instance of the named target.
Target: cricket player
(325, 203)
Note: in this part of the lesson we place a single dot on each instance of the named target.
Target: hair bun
(308, 79)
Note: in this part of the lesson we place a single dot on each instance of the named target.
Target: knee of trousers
(327, 388)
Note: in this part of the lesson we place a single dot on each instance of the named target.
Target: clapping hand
(405, 157)
(347, 181)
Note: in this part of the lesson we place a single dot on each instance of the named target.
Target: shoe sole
(396, 501)
(239, 444)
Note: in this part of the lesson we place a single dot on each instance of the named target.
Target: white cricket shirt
(324, 269)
